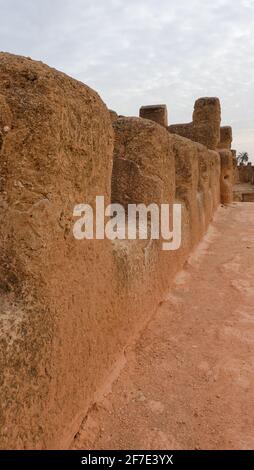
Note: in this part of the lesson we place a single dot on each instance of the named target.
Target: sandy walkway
(188, 382)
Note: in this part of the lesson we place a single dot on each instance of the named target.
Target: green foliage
(242, 158)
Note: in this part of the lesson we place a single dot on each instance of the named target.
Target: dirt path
(188, 383)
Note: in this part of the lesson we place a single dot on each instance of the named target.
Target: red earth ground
(188, 382)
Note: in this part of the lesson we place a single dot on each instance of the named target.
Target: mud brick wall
(54, 292)
(70, 308)
(246, 173)
(227, 176)
(226, 137)
(157, 113)
(205, 125)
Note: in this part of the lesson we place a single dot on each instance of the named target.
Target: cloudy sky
(136, 52)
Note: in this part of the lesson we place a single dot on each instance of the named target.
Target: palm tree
(242, 158)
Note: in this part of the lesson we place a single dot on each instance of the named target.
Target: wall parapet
(69, 308)
(205, 125)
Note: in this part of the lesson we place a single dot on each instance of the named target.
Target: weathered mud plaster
(54, 292)
(144, 166)
(236, 178)
(226, 176)
(69, 308)
(157, 113)
(205, 125)
(113, 115)
(246, 173)
(226, 138)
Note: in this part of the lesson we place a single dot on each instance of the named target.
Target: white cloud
(146, 51)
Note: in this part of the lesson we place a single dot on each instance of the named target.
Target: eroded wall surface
(68, 307)
(246, 173)
(54, 291)
(205, 125)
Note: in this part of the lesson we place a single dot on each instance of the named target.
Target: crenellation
(205, 126)
(157, 113)
(246, 173)
(50, 164)
(183, 130)
(226, 176)
(226, 138)
(142, 173)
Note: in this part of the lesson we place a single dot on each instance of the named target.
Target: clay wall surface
(205, 125)
(236, 178)
(227, 176)
(246, 173)
(57, 315)
(69, 308)
(113, 115)
(157, 113)
(226, 138)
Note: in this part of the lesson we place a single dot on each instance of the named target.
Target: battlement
(69, 308)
